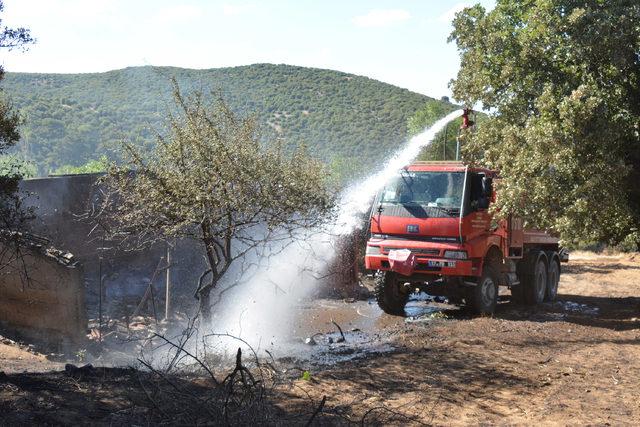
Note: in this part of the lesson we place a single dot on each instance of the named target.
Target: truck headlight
(373, 250)
(455, 254)
(379, 236)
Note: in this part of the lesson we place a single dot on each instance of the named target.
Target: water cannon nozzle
(466, 121)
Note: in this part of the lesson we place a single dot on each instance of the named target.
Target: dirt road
(575, 362)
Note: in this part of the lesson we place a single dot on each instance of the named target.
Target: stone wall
(118, 278)
(41, 298)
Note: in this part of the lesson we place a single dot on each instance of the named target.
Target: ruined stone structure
(42, 294)
(115, 280)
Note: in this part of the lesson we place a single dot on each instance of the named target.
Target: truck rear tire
(482, 298)
(390, 293)
(534, 279)
(553, 277)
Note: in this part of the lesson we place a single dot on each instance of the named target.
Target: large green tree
(12, 213)
(11, 169)
(561, 79)
(10, 38)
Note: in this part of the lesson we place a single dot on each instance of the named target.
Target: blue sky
(399, 42)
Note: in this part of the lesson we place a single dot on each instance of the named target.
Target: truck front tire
(390, 293)
(483, 298)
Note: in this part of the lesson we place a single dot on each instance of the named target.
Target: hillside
(348, 119)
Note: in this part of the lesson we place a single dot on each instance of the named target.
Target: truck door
(515, 238)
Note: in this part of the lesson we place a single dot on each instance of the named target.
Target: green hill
(73, 118)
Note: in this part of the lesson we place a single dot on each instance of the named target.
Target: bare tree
(210, 177)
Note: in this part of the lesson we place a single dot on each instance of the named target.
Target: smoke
(262, 310)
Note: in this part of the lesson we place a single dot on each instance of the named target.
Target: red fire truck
(431, 229)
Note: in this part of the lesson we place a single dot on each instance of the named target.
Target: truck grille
(417, 251)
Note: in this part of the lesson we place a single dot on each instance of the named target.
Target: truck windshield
(428, 189)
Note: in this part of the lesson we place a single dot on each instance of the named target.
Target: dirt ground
(15, 357)
(572, 362)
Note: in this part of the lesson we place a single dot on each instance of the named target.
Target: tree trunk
(219, 260)
(212, 259)
(205, 303)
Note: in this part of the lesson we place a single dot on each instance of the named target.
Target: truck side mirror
(487, 186)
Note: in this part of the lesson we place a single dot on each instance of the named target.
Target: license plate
(434, 263)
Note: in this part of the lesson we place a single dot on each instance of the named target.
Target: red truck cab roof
(446, 166)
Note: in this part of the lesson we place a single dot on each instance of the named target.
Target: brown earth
(19, 358)
(572, 362)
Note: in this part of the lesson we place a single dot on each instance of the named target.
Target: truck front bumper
(445, 267)
(429, 258)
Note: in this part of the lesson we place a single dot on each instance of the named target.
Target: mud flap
(402, 261)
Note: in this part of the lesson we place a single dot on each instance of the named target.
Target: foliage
(92, 166)
(211, 178)
(12, 214)
(10, 38)
(13, 165)
(629, 243)
(562, 80)
(444, 145)
(73, 118)
(427, 115)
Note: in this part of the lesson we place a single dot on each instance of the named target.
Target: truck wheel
(553, 277)
(390, 293)
(535, 279)
(483, 297)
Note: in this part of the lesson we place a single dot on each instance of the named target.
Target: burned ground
(574, 361)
